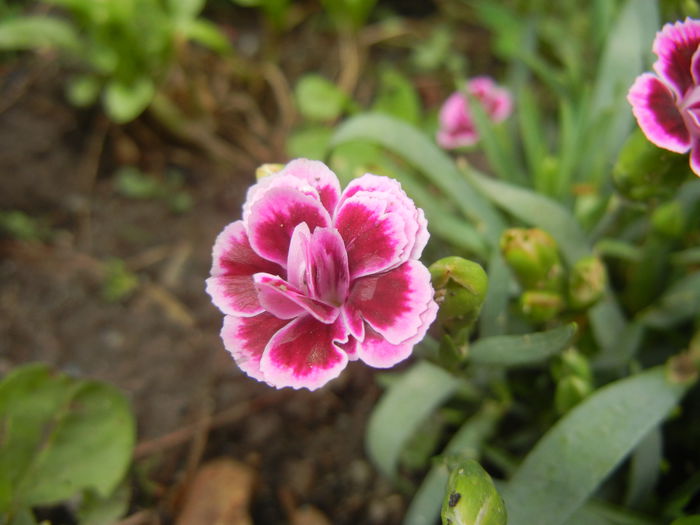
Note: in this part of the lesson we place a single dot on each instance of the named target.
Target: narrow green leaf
(467, 442)
(531, 131)
(494, 313)
(645, 469)
(569, 463)
(402, 409)
(35, 32)
(536, 210)
(608, 323)
(183, 10)
(522, 350)
(208, 35)
(680, 303)
(408, 142)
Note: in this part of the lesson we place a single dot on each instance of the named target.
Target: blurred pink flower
(311, 278)
(667, 104)
(457, 127)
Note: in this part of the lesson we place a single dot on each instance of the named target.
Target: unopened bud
(472, 498)
(645, 172)
(669, 219)
(587, 282)
(460, 290)
(533, 256)
(541, 306)
(571, 390)
(571, 362)
(267, 169)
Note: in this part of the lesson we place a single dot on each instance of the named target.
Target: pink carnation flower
(667, 105)
(311, 278)
(457, 127)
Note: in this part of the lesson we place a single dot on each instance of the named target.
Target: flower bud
(533, 255)
(267, 169)
(587, 282)
(472, 498)
(571, 390)
(571, 362)
(541, 306)
(460, 289)
(669, 219)
(645, 172)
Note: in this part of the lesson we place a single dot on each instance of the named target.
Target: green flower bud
(460, 289)
(267, 169)
(669, 219)
(533, 256)
(571, 362)
(472, 498)
(541, 306)
(645, 172)
(587, 282)
(571, 390)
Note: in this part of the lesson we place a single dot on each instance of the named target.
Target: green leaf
(397, 97)
(522, 350)
(310, 143)
(467, 442)
(536, 210)
(402, 409)
(62, 436)
(83, 90)
(569, 463)
(687, 520)
(318, 99)
(681, 302)
(419, 151)
(208, 35)
(645, 469)
(34, 32)
(126, 101)
(98, 510)
(494, 313)
(183, 10)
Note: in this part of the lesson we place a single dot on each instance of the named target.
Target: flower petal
(246, 338)
(675, 45)
(319, 176)
(654, 106)
(231, 285)
(305, 354)
(281, 299)
(394, 303)
(328, 275)
(496, 100)
(375, 240)
(274, 217)
(415, 225)
(695, 158)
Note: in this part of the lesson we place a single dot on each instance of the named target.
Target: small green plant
(62, 438)
(121, 49)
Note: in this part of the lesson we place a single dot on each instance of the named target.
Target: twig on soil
(88, 173)
(172, 306)
(350, 60)
(225, 417)
(13, 94)
(283, 94)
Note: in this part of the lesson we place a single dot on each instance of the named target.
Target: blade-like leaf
(409, 143)
(680, 303)
(425, 505)
(522, 350)
(34, 32)
(494, 313)
(536, 210)
(402, 409)
(569, 462)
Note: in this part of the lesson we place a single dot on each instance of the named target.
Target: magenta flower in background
(311, 278)
(667, 105)
(457, 126)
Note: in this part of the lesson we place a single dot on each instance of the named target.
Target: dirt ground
(160, 345)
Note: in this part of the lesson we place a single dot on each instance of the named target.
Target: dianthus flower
(667, 104)
(311, 278)
(457, 126)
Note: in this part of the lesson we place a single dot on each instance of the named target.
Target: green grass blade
(522, 350)
(419, 151)
(581, 450)
(494, 314)
(402, 409)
